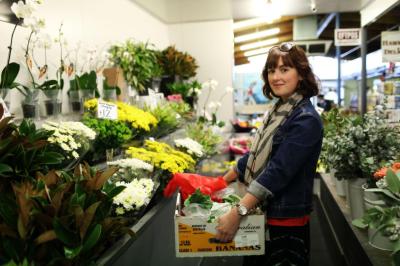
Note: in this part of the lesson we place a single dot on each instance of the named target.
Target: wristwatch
(242, 210)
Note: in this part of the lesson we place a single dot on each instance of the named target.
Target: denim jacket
(286, 183)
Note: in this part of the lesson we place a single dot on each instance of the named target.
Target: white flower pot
(340, 187)
(379, 241)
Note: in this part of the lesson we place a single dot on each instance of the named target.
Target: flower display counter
(353, 242)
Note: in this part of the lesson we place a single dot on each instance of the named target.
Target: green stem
(26, 60)
(11, 42)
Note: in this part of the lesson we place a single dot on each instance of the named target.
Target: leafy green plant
(183, 109)
(168, 120)
(59, 218)
(360, 145)
(178, 63)
(204, 135)
(110, 134)
(8, 76)
(139, 62)
(197, 197)
(86, 82)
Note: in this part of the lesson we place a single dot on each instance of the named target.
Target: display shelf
(353, 241)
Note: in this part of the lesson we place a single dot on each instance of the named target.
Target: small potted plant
(138, 61)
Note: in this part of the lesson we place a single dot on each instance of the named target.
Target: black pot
(76, 106)
(52, 107)
(165, 81)
(29, 110)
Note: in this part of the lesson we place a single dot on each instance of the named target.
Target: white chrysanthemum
(133, 164)
(135, 195)
(191, 145)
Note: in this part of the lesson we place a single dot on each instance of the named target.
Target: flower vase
(155, 84)
(110, 95)
(87, 95)
(355, 197)
(109, 155)
(52, 104)
(75, 101)
(29, 104)
(5, 94)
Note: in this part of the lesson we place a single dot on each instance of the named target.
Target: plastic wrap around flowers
(71, 137)
(239, 145)
(136, 195)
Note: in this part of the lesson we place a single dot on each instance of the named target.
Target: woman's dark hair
(297, 59)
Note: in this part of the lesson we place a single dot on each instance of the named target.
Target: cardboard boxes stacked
(392, 92)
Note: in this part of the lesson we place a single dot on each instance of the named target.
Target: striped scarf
(262, 144)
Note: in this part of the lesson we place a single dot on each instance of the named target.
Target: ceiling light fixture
(255, 21)
(257, 35)
(257, 51)
(259, 44)
(313, 6)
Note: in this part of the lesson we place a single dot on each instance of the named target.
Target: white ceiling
(177, 11)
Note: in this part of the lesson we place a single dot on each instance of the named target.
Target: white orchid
(22, 10)
(35, 24)
(44, 40)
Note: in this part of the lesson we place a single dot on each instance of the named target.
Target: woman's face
(283, 80)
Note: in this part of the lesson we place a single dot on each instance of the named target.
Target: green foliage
(168, 120)
(356, 147)
(186, 89)
(107, 87)
(109, 133)
(204, 135)
(8, 76)
(182, 108)
(197, 197)
(58, 218)
(86, 82)
(178, 63)
(24, 150)
(138, 61)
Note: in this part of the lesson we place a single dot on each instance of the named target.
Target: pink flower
(174, 98)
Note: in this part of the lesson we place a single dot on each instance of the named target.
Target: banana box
(194, 237)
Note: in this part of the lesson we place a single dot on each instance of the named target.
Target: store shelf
(352, 241)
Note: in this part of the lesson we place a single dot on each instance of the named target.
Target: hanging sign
(107, 110)
(348, 37)
(390, 44)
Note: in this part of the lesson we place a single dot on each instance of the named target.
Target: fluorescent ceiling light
(257, 51)
(258, 44)
(255, 21)
(257, 35)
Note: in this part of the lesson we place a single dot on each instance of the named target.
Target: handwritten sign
(107, 111)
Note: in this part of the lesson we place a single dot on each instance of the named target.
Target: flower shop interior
(117, 127)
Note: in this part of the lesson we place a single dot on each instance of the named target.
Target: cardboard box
(194, 237)
(115, 77)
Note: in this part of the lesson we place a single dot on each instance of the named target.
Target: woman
(280, 167)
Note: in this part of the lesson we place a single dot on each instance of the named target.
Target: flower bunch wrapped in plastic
(130, 168)
(162, 156)
(135, 117)
(137, 194)
(192, 147)
(71, 137)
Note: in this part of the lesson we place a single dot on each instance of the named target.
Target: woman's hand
(228, 225)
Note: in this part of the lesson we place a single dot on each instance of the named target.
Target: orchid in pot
(10, 71)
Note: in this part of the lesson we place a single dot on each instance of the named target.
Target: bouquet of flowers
(134, 198)
(73, 138)
(190, 146)
(130, 168)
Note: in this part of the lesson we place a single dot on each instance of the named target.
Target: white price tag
(246, 240)
(107, 111)
(6, 112)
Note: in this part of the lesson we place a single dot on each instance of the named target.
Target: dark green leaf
(8, 75)
(71, 253)
(393, 181)
(64, 234)
(4, 168)
(92, 239)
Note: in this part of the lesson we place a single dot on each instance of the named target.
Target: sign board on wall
(348, 37)
(390, 43)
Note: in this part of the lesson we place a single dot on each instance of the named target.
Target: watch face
(242, 210)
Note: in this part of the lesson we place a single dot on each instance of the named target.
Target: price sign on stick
(107, 111)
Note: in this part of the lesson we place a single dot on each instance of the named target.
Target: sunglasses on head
(284, 47)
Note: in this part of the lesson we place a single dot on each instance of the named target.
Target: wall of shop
(211, 43)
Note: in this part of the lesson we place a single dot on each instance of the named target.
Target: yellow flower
(162, 156)
(91, 104)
